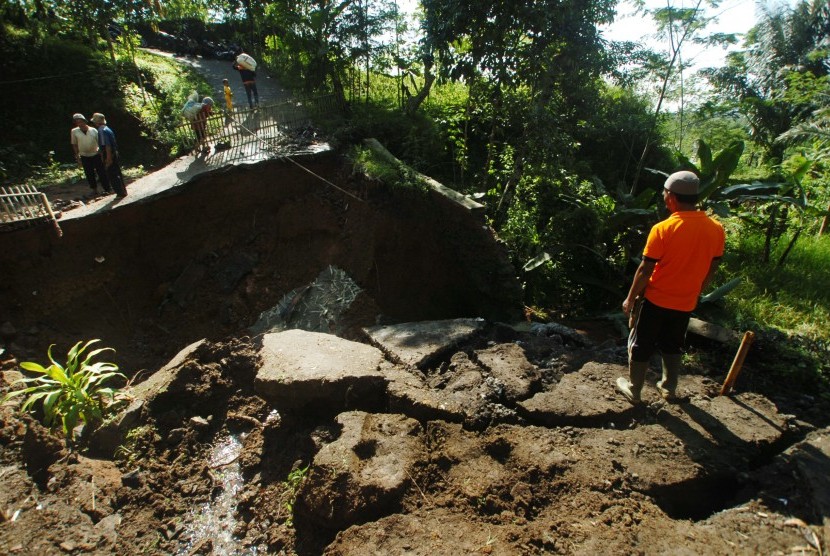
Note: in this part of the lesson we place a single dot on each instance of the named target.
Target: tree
(678, 25)
(762, 81)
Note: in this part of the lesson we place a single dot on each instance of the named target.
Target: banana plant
(713, 171)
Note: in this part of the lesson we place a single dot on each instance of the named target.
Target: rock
(106, 439)
(301, 369)
(365, 472)
(160, 381)
(10, 377)
(509, 366)
(175, 436)
(407, 393)
(433, 531)
(67, 546)
(556, 329)
(461, 394)
(7, 331)
(132, 479)
(199, 423)
(420, 343)
(230, 270)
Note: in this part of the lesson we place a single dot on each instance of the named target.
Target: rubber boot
(631, 387)
(671, 371)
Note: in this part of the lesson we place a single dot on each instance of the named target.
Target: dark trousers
(115, 177)
(93, 165)
(657, 328)
(250, 87)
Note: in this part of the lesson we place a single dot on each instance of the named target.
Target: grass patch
(386, 169)
(787, 306)
(793, 298)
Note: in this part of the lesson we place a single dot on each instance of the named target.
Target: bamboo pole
(48, 208)
(737, 363)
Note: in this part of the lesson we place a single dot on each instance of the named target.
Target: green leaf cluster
(70, 393)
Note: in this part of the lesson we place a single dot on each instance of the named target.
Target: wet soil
(543, 457)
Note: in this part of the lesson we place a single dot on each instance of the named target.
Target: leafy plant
(292, 486)
(72, 392)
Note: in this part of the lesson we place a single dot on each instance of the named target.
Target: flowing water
(215, 521)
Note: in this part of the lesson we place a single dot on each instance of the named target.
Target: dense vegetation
(563, 136)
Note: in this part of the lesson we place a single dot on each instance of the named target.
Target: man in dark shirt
(109, 153)
(248, 74)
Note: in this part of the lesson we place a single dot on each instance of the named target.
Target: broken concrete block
(420, 343)
(301, 368)
(365, 472)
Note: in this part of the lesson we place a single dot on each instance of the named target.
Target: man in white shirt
(84, 140)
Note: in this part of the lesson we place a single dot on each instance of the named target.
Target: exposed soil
(511, 441)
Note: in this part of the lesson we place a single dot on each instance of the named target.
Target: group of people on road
(197, 112)
(96, 150)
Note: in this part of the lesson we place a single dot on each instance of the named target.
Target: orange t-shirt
(683, 245)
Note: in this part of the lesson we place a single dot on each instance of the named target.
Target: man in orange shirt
(681, 256)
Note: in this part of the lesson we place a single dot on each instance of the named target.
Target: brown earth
(510, 441)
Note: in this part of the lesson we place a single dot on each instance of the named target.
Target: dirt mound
(218, 464)
(444, 436)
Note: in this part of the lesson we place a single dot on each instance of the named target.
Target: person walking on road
(681, 256)
(84, 141)
(109, 153)
(246, 66)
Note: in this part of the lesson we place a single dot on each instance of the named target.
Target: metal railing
(271, 121)
(24, 205)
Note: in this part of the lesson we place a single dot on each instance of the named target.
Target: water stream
(214, 521)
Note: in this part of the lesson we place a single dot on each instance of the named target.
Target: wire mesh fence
(227, 129)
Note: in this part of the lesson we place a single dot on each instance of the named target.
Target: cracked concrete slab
(301, 368)
(418, 343)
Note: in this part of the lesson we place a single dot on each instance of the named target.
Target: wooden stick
(738, 363)
(48, 208)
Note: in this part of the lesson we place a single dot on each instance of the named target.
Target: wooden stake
(738, 363)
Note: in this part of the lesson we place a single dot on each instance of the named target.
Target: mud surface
(453, 436)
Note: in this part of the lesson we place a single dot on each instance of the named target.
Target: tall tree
(760, 80)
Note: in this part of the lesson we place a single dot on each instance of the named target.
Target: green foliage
(714, 171)
(386, 170)
(70, 393)
(292, 487)
(137, 445)
(767, 81)
(793, 297)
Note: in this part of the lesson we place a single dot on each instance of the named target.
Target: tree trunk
(788, 249)
(773, 217)
(414, 102)
(675, 54)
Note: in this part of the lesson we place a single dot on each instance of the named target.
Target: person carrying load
(246, 66)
